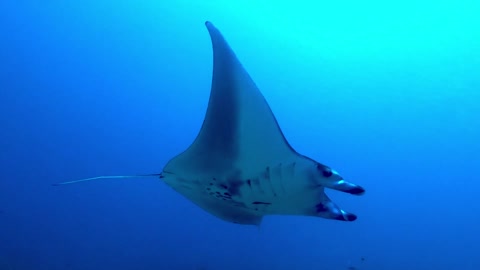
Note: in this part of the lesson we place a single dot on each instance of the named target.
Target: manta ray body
(240, 167)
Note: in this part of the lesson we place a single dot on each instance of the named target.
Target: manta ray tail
(107, 177)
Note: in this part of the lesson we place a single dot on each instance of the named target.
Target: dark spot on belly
(223, 186)
(265, 203)
(321, 208)
(267, 173)
(234, 188)
(249, 182)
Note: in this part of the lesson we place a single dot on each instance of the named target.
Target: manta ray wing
(239, 125)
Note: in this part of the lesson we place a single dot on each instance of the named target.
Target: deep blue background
(388, 96)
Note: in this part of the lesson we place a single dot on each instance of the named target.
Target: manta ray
(240, 167)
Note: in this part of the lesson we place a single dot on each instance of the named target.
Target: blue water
(386, 94)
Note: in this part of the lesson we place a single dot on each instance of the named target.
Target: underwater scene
(233, 135)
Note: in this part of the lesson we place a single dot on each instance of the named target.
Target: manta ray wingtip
(208, 24)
